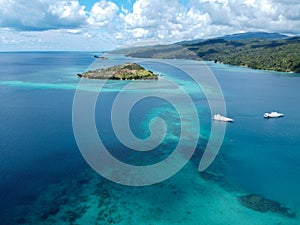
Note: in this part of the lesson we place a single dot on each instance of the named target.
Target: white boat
(273, 115)
(219, 117)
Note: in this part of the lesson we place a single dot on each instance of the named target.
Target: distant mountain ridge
(254, 35)
(240, 36)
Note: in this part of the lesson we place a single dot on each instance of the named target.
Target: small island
(128, 71)
(100, 57)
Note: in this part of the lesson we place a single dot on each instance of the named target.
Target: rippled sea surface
(45, 180)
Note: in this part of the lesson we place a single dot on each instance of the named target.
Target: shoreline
(213, 62)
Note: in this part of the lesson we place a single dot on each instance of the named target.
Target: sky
(99, 25)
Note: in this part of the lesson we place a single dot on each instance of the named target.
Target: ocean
(46, 180)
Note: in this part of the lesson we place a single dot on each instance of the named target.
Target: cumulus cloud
(172, 21)
(67, 13)
(54, 40)
(268, 15)
(148, 21)
(102, 13)
(41, 14)
(56, 24)
(162, 20)
(54, 14)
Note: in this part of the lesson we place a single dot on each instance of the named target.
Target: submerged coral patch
(261, 204)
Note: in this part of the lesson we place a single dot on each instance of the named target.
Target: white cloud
(102, 13)
(54, 40)
(65, 25)
(163, 20)
(41, 14)
(140, 32)
(171, 21)
(68, 12)
(269, 15)
(148, 21)
(54, 14)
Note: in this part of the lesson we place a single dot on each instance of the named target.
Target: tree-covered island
(128, 71)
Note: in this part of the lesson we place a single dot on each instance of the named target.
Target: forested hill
(257, 53)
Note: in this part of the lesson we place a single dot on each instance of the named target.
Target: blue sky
(125, 3)
(95, 25)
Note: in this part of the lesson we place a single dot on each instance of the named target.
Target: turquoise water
(45, 180)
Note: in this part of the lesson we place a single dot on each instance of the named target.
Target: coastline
(264, 70)
(213, 62)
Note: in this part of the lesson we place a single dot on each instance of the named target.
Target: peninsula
(128, 71)
(278, 53)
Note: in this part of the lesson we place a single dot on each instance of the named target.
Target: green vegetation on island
(257, 53)
(278, 55)
(128, 71)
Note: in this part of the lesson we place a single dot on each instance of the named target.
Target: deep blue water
(37, 145)
(266, 152)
